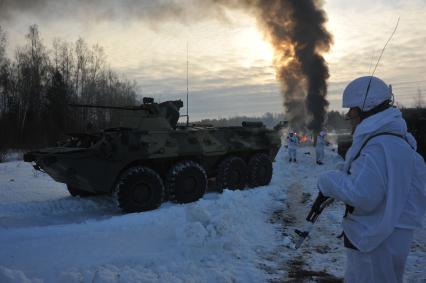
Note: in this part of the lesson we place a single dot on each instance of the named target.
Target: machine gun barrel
(134, 108)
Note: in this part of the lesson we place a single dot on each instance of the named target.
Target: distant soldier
(293, 142)
(319, 148)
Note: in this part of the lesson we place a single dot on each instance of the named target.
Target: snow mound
(15, 276)
(216, 239)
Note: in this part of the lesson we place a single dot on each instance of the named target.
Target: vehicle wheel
(232, 174)
(260, 170)
(139, 189)
(186, 182)
(79, 193)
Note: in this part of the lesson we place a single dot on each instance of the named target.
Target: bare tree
(32, 63)
(82, 58)
(4, 73)
(63, 61)
(36, 86)
(2, 45)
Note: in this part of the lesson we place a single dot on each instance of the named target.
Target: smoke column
(296, 29)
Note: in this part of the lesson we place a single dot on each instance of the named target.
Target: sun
(255, 49)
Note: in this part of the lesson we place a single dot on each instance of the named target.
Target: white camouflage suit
(387, 188)
(292, 142)
(319, 148)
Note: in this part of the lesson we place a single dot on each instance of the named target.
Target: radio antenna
(378, 60)
(187, 83)
(371, 63)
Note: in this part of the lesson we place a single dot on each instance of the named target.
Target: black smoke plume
(296, 29)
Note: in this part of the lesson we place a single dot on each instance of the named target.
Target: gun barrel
(134, 108)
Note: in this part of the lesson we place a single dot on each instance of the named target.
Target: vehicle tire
(186, 182)
(232, 174)
(139, 189)
(260, 170)
(79, 193)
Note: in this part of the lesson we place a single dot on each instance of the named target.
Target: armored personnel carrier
(149, 158)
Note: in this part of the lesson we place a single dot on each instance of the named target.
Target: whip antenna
(187, 83)
(378, 60)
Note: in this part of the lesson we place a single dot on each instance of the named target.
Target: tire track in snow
(287, 264)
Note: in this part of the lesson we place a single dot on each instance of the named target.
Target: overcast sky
(230, 63)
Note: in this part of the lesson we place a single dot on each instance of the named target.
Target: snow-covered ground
(237, 236)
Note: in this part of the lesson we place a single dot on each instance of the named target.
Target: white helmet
(355, 92)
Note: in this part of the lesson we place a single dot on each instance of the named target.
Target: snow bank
(15, 276)
(217, 239)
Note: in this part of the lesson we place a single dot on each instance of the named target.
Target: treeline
(335, 121)
(269, 119)
(37, 85)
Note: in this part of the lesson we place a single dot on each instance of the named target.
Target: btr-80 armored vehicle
(153, 159)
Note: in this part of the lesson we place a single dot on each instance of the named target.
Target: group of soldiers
(293, 142)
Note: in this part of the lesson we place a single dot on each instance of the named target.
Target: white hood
(389, 120)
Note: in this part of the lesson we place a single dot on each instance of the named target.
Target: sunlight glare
(255, 49)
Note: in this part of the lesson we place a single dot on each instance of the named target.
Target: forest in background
(335, 121)
(38, 83)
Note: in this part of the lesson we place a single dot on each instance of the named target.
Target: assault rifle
(318, 206)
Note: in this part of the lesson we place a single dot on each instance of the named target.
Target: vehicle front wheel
(139, 189)
(186, 182)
